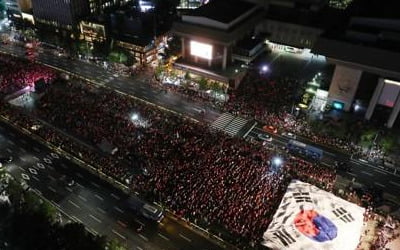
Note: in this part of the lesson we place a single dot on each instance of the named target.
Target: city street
(99, 206)
(363, 172)
(306, 65)
(136, 86)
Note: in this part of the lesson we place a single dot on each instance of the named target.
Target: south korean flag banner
(311, 218)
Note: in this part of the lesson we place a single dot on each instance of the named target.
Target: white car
(264, 137)
(290, 135)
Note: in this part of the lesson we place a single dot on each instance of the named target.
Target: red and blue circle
(315, 226)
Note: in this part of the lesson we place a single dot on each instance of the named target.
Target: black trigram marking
(284, 237)
(302, 197)
(343, 214)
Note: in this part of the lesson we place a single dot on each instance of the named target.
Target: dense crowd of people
(199, 173)
(272, 102)
(16, 74)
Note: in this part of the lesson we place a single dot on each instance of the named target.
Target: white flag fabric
(310, 218)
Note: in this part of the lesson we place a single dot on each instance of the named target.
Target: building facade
(64, 14)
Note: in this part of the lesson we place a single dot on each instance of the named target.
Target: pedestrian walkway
(230, 124)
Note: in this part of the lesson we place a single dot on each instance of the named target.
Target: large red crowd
(16, 74)
(200, 174)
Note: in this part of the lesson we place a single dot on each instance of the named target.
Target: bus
(149, 211)
(305, 150)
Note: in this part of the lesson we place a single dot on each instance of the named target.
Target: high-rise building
(60, 13)
(98, 6)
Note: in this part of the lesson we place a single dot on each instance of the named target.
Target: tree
(203, 83)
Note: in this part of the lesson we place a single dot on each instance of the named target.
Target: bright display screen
(201, 50)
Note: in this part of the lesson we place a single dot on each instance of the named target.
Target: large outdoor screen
(201, 50)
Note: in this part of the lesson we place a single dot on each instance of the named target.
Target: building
(296, 23)
(191, 4)
(365, 55)
(210, 36)
(63, 14)
(135, 31)
(99, 6)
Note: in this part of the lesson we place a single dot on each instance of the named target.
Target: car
(290, 135)
(264, 137)
(6, 159)
(270, 129)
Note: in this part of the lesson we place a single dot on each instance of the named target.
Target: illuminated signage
(201, 50)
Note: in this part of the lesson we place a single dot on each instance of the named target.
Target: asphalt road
(136, 86)
(364, 173)
(98, 205)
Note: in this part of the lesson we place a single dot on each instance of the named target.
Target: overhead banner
(344, 85)
(310, 218)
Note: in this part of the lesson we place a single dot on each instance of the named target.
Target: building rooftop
(324, 18)
(224, 11)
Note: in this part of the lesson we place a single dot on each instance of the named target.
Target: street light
(264, 69)
(134, 117)
(277, 161)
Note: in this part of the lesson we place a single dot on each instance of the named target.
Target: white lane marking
(36, 149)
(69, 190)
(119, 209)
(99, 197)
(9, 150)
(34, 177)
(163, 236)
(25, 177)
(379, 184)
(101, 210)
(349, 173)
(185, 238)
(38, 191)
(54, 155)
(36, 158)
(380, 171)
(22, 158)
(115, 196)
(95, 218)
(40, 165)
(33, 171)
(120, 235)
(23, 150)
(95, 184)
(143, 237)
(82, 198)
(122, 224)
(11, 142)
(20, 168)
(139, 248)
(51, 178)
(47, 160)
(367, 173)
(394, 183)
(76, 219)
(74, 204)
(52, 189)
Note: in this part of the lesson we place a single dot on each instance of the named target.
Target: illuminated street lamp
(277, 161)
(134, 117)
(264, 69)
